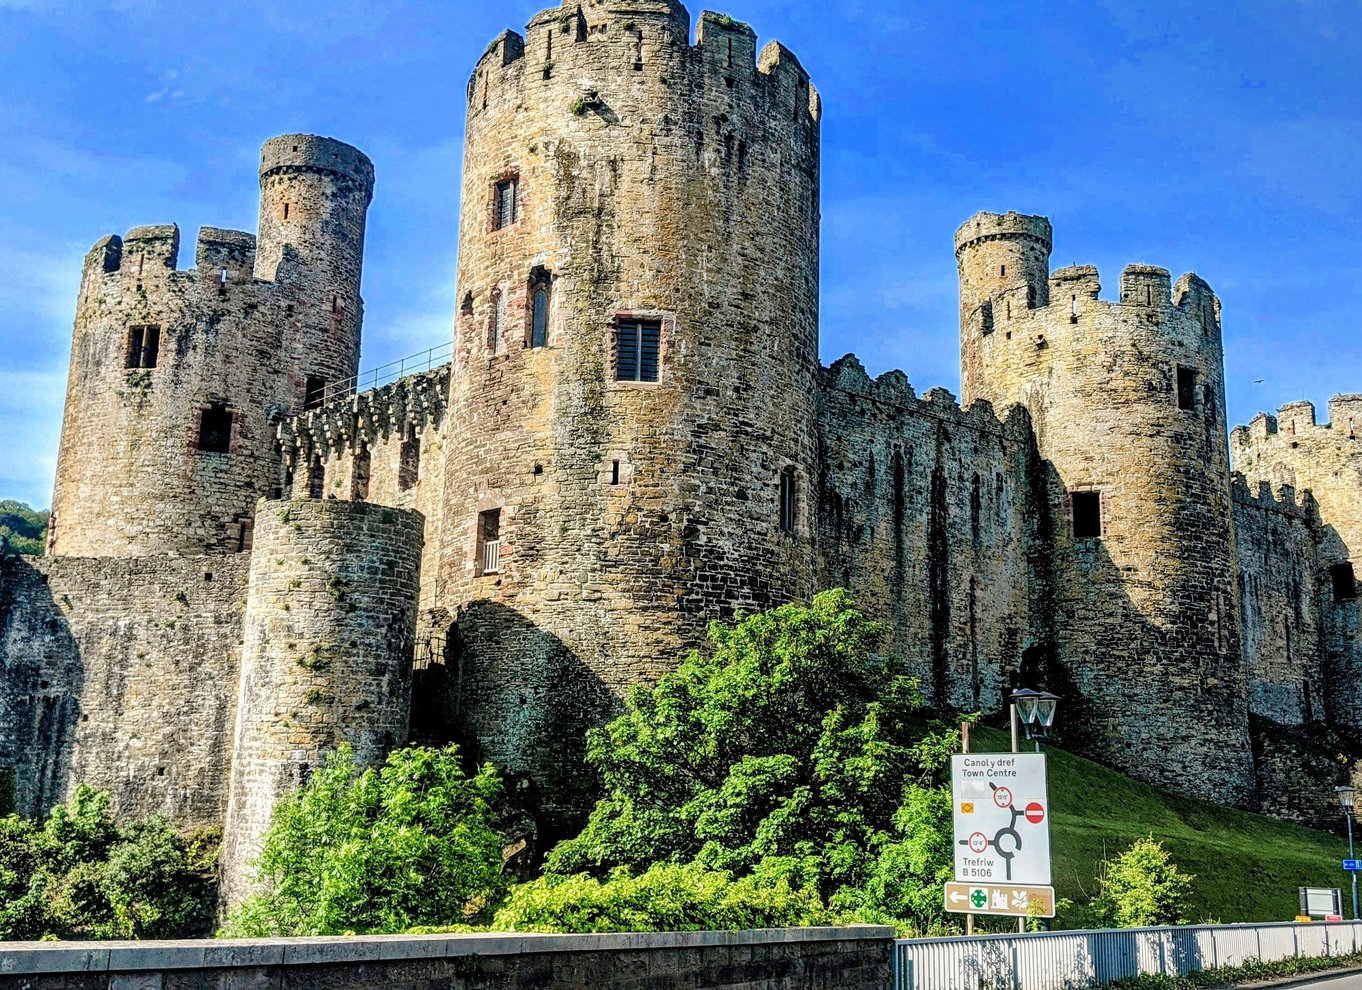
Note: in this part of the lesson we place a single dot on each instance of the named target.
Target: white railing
(1067, 960)
(491, 556)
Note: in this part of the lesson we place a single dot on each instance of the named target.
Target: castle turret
(632, 404)
(314, 198)
(328, 638)
(179, 378)
(1127, 401)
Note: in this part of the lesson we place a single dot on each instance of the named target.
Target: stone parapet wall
(854, 958)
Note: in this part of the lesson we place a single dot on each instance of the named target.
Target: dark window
(787, 500)
(506, 208)
(1087, 515)
(409, 462)
(1344, 581)
(489, 541)
(637, 343)
(986, 312)
(539, 329)
(315, 392)
(614, 472)
(466, 308)
(1186, 388)
(316, 477)
(144, 346)
(215, 429)
(359, 476)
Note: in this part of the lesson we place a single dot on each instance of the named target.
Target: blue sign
(1353, 865)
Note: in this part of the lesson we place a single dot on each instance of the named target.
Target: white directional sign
(1002, 819)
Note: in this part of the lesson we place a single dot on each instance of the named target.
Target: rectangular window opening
(787, 500)
(359, 477)
(409, 463)
(144, 347)
(215, 429)
(1186, 388)
(507, 207)
(1344, 582)
(489, 541)
(637, 350)
(1087, 515)
(614, 472)
(315, 392)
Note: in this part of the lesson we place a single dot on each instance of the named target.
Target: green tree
(22, 530)
(791, 752)
(1143, 887)
(80, 874)
(412, 843)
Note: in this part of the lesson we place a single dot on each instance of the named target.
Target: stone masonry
(635, 437)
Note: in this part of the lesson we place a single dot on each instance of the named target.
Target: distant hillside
(1247, 866)
(21, 529)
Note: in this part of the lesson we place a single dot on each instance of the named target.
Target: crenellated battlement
(590, 59)
(1296, 422)
(1274, 498)
(893, 391)
(414, 402)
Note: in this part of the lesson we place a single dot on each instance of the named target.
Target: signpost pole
(964, 748)
(1348, 813)
(1012, 720)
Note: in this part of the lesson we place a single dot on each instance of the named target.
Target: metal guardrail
(384, 374)
(1067, 960)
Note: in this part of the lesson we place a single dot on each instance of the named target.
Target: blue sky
(1220, 138)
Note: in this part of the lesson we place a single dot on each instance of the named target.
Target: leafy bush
(792, 753)
(81, 875)
(22, 530)
(408, 845)
(1143, 887)
(666, 897)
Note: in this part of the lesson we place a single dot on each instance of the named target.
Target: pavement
(1346, 979)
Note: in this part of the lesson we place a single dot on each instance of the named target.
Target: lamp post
(1345, 799)
(1035, 711)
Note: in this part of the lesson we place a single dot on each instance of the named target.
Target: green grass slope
(1247, 867)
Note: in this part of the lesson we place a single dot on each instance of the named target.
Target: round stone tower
(328, 638)
(1127, 402)
(314, 199)
(178, 378)
(636, 343)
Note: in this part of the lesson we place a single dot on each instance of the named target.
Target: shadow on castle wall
(41, 683)
(510, 693)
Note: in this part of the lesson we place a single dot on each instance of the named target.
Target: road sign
(1320, 902)
(1352, 865)
(1017, 900)
(1001, 817)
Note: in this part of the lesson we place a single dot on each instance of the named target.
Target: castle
(253, 559)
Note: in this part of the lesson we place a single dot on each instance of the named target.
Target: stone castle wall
(1293, 450)
(1279, 606)
(923, 515)
(328, 636)
(120, 674)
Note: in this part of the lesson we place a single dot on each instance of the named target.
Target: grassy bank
(1247, 866)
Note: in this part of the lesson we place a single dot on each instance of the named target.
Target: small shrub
(1143, 887)
(666, 897)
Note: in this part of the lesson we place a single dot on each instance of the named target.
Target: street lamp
(1035, 711)
(1346, 795)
